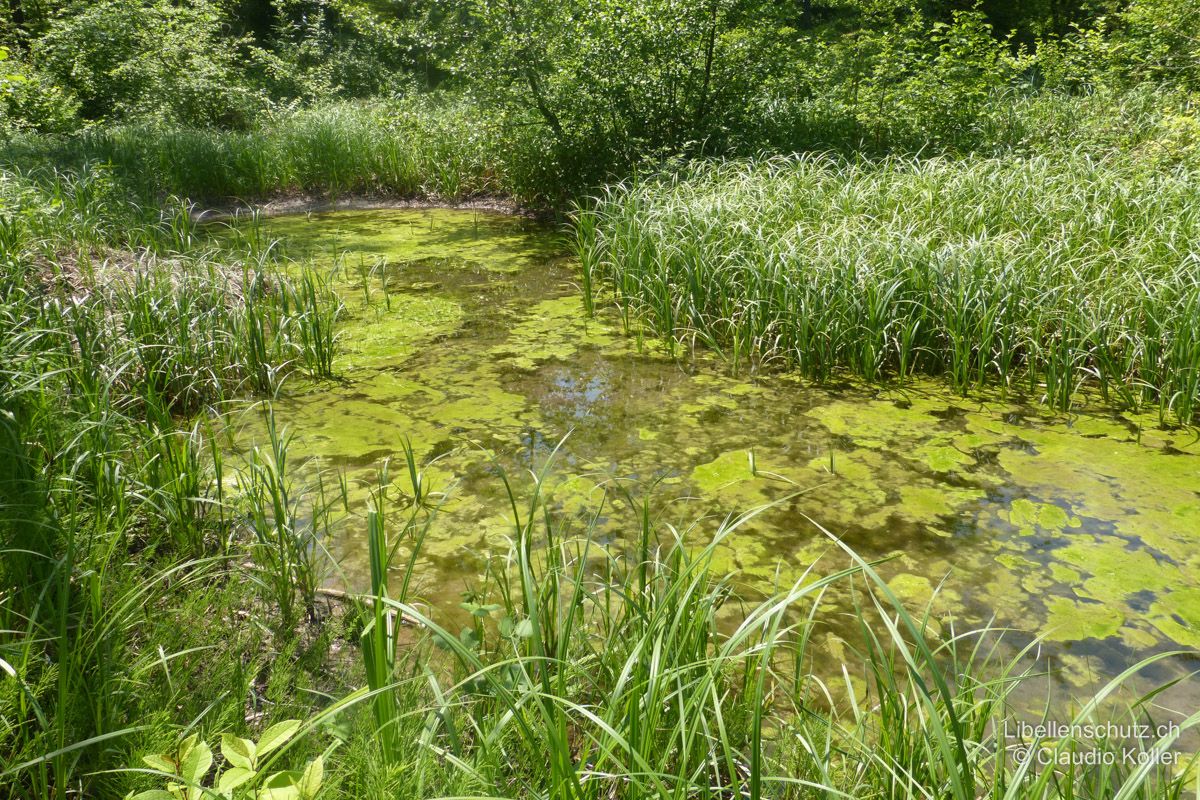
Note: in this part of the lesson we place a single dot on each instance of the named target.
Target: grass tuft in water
(1047, 276)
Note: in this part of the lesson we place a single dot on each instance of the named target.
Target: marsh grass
(287, 549)
(381, 623)
(631, 668)
(1047, 276)
(116, 345)
(440, 150)
(316, 310)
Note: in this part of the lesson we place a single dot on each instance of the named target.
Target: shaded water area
(465, 333)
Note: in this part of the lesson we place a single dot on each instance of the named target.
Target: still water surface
(465, 334)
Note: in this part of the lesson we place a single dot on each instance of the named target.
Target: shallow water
(470, 340)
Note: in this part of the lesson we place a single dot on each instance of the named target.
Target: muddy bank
(315, 204)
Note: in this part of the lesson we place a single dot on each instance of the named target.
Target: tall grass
(380, 623)
(112, 522)
(412, 149)
(287, 549)
(633, 671)
(1047, 275)
(314, 311)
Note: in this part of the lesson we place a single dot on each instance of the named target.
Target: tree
(626, 78)
(170, 60)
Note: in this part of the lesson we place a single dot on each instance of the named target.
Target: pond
(465, 334)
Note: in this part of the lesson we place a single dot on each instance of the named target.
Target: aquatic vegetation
(549, 330)
(288, 551)
(314, 321)
(982, 499)
(601, 670)
(810, 477)
(578, 632)
(373, 337)
(421, 148)
(402, 238)
(112, 500)
(1047, 277)
(953, 486)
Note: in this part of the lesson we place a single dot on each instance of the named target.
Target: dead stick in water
(341, 594)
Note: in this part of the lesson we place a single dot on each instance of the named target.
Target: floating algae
(465, 336)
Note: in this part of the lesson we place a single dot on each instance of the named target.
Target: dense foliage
(162, 630)
(573, 93)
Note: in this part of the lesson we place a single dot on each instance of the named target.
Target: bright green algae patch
(376, 336)
(497, 242)
(464, 334)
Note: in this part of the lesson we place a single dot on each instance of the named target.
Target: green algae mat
(464, 334)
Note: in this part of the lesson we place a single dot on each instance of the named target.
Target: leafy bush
(156, 59)
(617, 83)
(32, 101)
(1160, 41)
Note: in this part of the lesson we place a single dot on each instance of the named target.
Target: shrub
(157, 59)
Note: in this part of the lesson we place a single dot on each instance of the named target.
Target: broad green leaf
(310, 781)
(233, 778)
(160, 763)
(279, 793)
(281, 786)
(195, 765)
(153, 794)
(469, 637)
(185, 747)
(237, 751)
(524, 628)
(275, 736)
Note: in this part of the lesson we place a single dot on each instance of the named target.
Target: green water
(470, 340)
